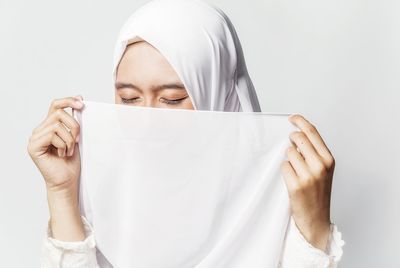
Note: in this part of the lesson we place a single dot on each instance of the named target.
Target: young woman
(182, 54)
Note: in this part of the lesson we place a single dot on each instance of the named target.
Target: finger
(72, 102)
(308, 151)
(41, 144)
(70, 122)
(313, 135)
(62, 116)
(49, 121)
(79, 97)
(54, 106)
(298, 163)
(59, 129)
(61, 146)
(289, 176)
(66, 136)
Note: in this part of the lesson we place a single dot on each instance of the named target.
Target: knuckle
(290, 150)
(308, 184)
(297, 135)
(297, 189)
(59, 112)
(320, 171)
(68, 140)
(54, 116)
(63, 146)
(293, 134)
(75, 126)
(54, 102)
(308, 178)
(301, 135)
(56, 126)
(311, 129)
(330, 162)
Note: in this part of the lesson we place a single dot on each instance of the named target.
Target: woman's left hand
(308, 175)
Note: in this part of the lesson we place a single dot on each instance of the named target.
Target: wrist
(317, 234)
(66, 198)
(65, 218)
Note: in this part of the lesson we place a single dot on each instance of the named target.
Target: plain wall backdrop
(336, 62)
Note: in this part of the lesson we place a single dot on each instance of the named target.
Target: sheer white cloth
(297, 252)
(184, 188)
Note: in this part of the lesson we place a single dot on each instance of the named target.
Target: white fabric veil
(171, 188)
(202, 46)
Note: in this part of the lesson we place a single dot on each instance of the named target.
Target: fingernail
(63, 153)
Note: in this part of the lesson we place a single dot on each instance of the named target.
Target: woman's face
(145, 78)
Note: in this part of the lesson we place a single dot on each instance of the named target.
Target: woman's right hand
(54, 149)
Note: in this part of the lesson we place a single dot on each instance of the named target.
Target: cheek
(187, 104)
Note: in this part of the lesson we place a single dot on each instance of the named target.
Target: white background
(336, 62)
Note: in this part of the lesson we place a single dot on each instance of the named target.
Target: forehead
(144, 61)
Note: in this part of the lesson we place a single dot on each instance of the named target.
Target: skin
(145, 78)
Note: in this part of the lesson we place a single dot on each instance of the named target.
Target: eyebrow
(120, 85)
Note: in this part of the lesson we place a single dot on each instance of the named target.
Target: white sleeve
(79, 254)
(299, 253)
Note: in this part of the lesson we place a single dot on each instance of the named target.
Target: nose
(149, 102)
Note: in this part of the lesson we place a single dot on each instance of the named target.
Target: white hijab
(202, 46)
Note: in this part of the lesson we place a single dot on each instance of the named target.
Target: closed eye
(167, 101)
(176, 101)
(128, 100)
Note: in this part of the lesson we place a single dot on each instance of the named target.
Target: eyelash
(170, 102)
